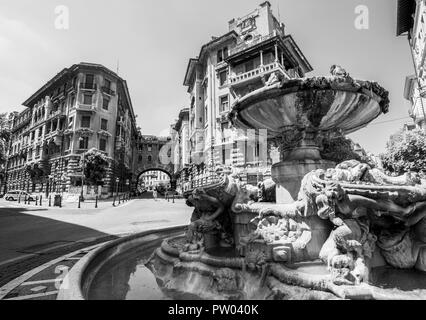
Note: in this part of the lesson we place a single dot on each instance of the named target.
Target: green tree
(95, 166)
(405, 151)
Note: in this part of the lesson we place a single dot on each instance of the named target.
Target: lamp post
(117, 180)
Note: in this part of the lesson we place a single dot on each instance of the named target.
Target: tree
(4, 142)
(339, 149)
(405, 151)
(95, 165)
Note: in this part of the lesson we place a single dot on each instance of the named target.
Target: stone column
(300, 155)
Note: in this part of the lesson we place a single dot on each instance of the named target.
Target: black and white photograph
(230, 152)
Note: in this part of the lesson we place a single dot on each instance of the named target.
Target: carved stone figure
(338, 71)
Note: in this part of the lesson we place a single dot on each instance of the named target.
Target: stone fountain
(300, 113)
(331, 226)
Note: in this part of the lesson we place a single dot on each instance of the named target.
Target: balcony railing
(88, 86)
(84, 107)
(108, 91)
(262, 70)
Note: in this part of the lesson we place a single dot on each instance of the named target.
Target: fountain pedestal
(288, 176)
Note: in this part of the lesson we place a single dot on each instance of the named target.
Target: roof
(405, 11)
(67, 73)
(214, 42)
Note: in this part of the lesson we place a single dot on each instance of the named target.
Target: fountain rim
(77, 282)
(370, 89)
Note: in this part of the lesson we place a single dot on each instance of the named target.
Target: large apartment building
(83, 107)
(230, 66)
(412, 22)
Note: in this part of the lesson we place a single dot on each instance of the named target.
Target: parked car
(15, 194)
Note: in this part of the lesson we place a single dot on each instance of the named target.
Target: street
(28, 232)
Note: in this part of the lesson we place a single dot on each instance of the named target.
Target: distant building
(83, 107)
(412, 22)
(227, 67)
(155, 179)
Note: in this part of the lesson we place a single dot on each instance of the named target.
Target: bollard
(119, 199)
(41, 198)
(19, 198)
(173, 198)
(25, 199)
(96, 202)
(50, 200)
(79, 202)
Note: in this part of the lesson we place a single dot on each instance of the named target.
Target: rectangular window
(102, 144)
(105, 103)
(84, 143)
(223, 128)
(90, 78)
(107, 84)
(104, 124)
(85, 121)
(223, 78)
(72, 101)
(87, 99)
(224, 104)
(219, 56)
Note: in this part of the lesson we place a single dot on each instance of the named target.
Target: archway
(157, 178)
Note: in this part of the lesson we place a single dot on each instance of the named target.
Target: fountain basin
(319, 104)
(77, 283)
(117, 271)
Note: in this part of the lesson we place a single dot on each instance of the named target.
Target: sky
(150, 41)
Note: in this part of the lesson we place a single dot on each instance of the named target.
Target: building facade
(155, 179)
(84, 107)
(255, 47)
(412, 22)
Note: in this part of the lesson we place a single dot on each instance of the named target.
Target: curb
(72, 285)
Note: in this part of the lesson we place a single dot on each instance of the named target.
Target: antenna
(279, 17)
(118, 65)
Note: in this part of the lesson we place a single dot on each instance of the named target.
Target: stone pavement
(30, 236)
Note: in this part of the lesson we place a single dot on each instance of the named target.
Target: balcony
(85, 107)
(242, 46)
(262, 71)
(88, 86)
(108, 91)
(55, 114)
